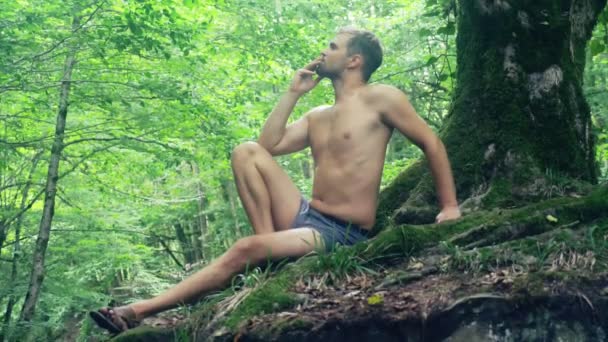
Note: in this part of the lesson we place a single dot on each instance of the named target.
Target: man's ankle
(138, 311)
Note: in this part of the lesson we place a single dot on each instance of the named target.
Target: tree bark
(519, 122)
(37, 274)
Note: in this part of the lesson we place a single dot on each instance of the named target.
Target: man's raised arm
(275, 137)
(400, 114)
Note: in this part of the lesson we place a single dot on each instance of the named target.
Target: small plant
(341, 262)
(542, 251)
(252, 277)
(597, 238)
(457, 257)
(474, 260)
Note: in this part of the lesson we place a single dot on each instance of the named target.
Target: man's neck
(347, 85)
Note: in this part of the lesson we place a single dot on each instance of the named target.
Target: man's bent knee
(246, 151)
(245, 251)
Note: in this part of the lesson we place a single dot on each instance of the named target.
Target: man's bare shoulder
(385, 98)
(318, 111)
(384, 92)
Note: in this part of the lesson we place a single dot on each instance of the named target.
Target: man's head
(351, 49)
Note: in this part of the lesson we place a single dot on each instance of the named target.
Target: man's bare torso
(348, 143)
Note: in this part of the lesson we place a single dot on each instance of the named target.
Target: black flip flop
(104, 322)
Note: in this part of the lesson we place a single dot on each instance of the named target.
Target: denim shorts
(333, 230)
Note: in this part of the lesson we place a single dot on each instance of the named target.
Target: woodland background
(155, 96)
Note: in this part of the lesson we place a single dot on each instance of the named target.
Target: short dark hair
(367, 44)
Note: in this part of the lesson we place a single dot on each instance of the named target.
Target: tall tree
(519, 102)
(38, 271)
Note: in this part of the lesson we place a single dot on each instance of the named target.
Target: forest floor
(401, 293)
(412, 291)
(544, 264)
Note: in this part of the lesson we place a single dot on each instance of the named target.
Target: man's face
(335, 57)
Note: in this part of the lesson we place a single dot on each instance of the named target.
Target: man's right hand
(447, 214)
(303, 80)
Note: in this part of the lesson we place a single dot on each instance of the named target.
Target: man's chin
(324, 74)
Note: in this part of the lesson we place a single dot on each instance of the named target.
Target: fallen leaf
(376, 299)
(552, 219)
(416, 266)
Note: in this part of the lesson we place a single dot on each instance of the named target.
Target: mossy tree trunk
(519, 128)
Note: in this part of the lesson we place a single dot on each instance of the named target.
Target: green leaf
(424, 32)
(132, 26)
(596, 47)
(449, 29)
(432, 60)
(435, 13)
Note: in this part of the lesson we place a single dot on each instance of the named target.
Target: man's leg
(271, 201)
(251, 250)
(269, 197)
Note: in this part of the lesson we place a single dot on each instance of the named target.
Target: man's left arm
(398, 112)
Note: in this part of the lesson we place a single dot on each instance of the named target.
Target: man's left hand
(448, 213)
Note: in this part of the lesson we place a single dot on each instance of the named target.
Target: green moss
(150, 334)
(494, 227)
(500, 190)
(452, 228)
(402, 241)
(270, 296)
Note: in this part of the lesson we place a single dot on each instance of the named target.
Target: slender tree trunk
(201, 206)
(168, 250)
(193, 233)
(230, 199)
(519, 121)
(3, 232)
(184, 243)
(4, 167)
(17, 251)
(37, 274)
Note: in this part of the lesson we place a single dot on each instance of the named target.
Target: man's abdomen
(347, 193)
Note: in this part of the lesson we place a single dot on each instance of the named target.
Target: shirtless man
(348, 142)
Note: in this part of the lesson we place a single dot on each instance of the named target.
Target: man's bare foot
(115, 320)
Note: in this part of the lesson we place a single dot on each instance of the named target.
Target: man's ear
(356, 60)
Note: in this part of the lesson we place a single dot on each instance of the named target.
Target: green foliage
(161, 94)
(596, 76)
(342, 261)
(599, 41)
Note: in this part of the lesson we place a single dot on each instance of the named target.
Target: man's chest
(343, 129)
